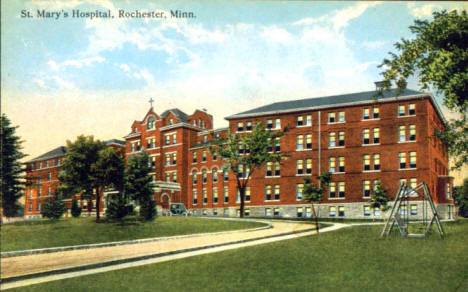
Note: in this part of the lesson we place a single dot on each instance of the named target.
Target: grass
(351, 259)
(45, 233)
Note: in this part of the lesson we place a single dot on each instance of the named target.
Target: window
(376, 135)
(308, 120)
(226, 175)
(277, 145)
(47, 163)
(39, 191)
(167, 139)
(204, 176)
(226, 212)
(366, 162)
(402, 160)
(341, 138)
(332, 164)
(194, 177)
(309, 166)
(308, 141)
(300, 121)
(204, 212)
(376, 159)
(171, 121)
(331, 118)
(214, 175)
(376, 211)
(168, 159)
(401, 110)
(277, 123)
(205, 138)
(59, 161)
(168, 176)
(299, 190)
(366, 188)
(308, 212)
(276, 211)
(341, 164)
(341, 211)
(300, 166)
(85, 204)
(30, 193)
(225, 195)
(204, 155)
(403, 210)
(277, 169)
(174, 158)
(30, 207)
(194, 157)
(411, 109)
(412, 159)
(174, 176)
(341, 189)
(300, 142)
(205, 196)
(49, 191)
(365, 114)
(247, 212)
(332, 139)
(413, 183)
(247, 194)
(174, 138)
(267, 193)
(39, 207)
(94, 204)
(448, 194)
(375, 113)
(269, 166)
(367, 211)
(401, 133)
(240, 127)
(269, 124)
(341, 117)
(365, 137)
(332, 190)
(215, 212)
(299, 211)
(414, 210)
(215, 195)
(49, 176)
(412, 133)
(332, 211)
(268, 212)
(151, 143)
(194, 197)
(248, 126)
(277, 192)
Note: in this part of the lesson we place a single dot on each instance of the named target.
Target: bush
(117, 209)
(53, 210)
(147, 209)
(75, 209)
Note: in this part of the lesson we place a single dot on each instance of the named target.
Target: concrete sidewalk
(22, 270)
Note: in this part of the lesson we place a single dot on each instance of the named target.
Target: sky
(66, 76)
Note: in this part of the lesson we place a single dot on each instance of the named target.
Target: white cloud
(62, 83)
(125, 67)
(276, 34)
(375, 44)
(53, 65)
(422, 11)
(83, 62)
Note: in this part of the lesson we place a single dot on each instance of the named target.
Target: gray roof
(180, 115)
(57, 152)
(115, 141)
(321, 102)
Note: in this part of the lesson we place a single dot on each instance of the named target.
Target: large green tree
(12, 179)
(438, 57)
(139, 185)
(244, 154)
(313, 193)
(460, 196)
(90, 167)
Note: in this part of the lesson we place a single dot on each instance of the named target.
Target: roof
(115, 141)
(321, 102)
(180, 115)
(57, 152)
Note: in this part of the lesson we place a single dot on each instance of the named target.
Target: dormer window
(171, 121)
(149, 123)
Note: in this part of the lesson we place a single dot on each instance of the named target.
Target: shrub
(75, 209)
(147, 209)
(117, 209)
(53, 210)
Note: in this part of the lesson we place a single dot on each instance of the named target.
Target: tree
(75, 209)
(53, 209)
(379, 198)
(460, 196)
(139, 185)
(245, 154)
(11, 180)
(438, 55)
(313, 194)
(90, 167)
(117, 208)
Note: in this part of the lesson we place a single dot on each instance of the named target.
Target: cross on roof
(151, 102)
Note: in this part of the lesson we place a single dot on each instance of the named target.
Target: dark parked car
(178, 209)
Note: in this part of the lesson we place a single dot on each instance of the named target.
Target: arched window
(214, 175)
(150, 123)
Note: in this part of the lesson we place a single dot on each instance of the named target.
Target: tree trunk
(316, 219)
(242, 203)
(98, 204)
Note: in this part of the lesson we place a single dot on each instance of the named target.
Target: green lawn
(351, 259)
(45, 233)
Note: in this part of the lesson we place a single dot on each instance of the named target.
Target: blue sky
(65, 77)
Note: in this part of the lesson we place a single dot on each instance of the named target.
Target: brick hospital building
(360, 138)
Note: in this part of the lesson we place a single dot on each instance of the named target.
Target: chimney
(379, 85)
